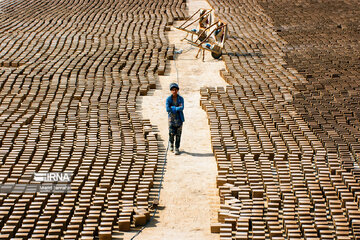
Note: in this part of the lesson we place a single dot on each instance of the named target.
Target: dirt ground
(189, 196)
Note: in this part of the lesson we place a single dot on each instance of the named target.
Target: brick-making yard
(270, 146)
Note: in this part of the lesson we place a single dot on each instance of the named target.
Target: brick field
(284, 131)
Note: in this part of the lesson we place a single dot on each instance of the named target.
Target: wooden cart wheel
(216, 53)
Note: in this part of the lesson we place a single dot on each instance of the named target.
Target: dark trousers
(175, 132)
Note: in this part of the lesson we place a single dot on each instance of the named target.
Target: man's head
(174, 88)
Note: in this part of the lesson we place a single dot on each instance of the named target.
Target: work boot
(171, 147)
(177, 152)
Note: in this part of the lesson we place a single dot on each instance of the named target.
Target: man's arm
(168, 108)
(181, 106)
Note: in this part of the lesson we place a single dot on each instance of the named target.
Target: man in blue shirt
(175, 107)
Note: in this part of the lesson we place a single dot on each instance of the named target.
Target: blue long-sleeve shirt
(176, 117)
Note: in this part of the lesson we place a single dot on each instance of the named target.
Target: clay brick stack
(285, 139)
(70, 74)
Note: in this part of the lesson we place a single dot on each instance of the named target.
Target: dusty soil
(189, 196)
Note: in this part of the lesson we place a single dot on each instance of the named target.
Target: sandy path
(189, 195)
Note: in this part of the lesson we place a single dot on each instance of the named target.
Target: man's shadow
(244, 54)
(197, 154)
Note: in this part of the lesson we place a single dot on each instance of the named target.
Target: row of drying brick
(256, 160)
(328, 58)
(70, 74)
(276, 178)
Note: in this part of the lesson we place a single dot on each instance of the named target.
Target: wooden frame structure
(204, 20)
(209, 36)
(216, 40)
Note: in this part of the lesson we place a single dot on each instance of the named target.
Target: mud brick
(105, 233)
(23, 233)
(259, 237)
(140, 220)
(52, 237)
(343, 237)
(5, 236)
(143, 211)
(124, 223)
(215, 227)
(88, 232)
(161, 69)
(257, 193)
